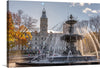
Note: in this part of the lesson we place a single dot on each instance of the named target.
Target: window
(35, 38)
(42, 38)
(42, 43)
(35, 43)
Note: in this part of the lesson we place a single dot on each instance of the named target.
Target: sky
(57, 12)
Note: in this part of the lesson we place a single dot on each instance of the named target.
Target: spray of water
(81, 43)
(91, 37)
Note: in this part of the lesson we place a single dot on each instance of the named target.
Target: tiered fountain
(71, 38)
(70, 56)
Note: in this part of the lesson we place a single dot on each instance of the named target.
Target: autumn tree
(23, 24)
(10, 31)
(23, 36)
(17, 35)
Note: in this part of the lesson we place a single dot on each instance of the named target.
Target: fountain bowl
(61, 60)
(71, 22)
(71, 38)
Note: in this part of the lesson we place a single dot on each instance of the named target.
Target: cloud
(90, 10)
(86, 9)
(79, 4)
(72, 4)
(94, 11)
(89, 3)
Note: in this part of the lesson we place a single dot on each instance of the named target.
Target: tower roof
(43, 13)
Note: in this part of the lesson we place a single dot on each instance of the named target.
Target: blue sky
(57, 12)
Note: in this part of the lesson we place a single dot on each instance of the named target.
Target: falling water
(81, 44)
(69, 55)
(94, 38)
(84, 31)
(92, 41)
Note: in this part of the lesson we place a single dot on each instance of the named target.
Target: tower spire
(43, 11)
(43, 5)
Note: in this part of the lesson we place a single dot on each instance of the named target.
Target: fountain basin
(61, 60)
(70, 58)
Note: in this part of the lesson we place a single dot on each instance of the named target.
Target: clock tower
(44, 23)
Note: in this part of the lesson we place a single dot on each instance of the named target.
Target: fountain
(71, 38)
(70, 56)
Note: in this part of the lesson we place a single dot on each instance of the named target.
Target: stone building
(39, 39)
(43, 38)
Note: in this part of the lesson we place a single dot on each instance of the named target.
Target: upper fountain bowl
(71, 21)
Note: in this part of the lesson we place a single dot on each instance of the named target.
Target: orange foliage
(16, 37)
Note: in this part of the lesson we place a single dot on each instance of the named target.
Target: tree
(23, 36)
(19, 36)
(95, 22)
(29, 22)
(10, 31)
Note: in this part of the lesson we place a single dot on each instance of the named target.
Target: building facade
(43, 38)
(39, 38)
